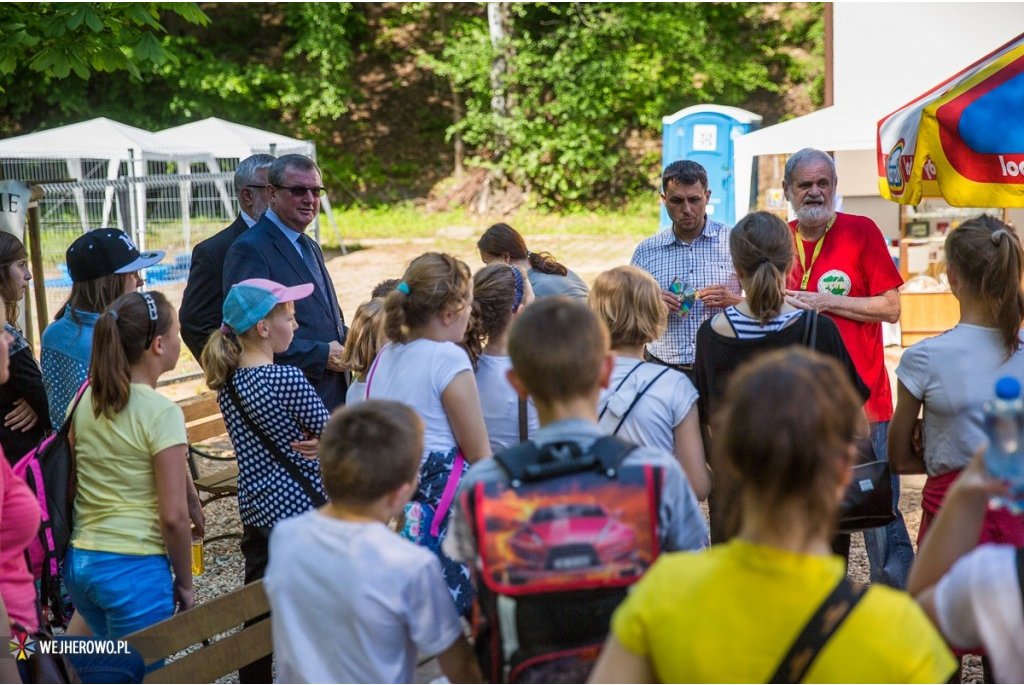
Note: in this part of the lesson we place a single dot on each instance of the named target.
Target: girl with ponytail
(426, 367)
(135, 497)
(953, 374)
(500, 293)
(762, 253)
(503, 243)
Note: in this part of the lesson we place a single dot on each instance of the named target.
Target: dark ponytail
(119, 341)
(501, 240)
(762, 250)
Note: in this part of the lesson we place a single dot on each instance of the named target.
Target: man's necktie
(309, 255)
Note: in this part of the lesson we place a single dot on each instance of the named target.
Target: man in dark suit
(203, 300)
(277, 247)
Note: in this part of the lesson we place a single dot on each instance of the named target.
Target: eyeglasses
(256, 187)
(300, 191)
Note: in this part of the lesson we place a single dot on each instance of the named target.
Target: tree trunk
(498, 22)
(458, 110)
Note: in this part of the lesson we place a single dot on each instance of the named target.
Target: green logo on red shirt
(834, 282)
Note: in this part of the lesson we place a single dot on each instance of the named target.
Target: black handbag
(867, 502)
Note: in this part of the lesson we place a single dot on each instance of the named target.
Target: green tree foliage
(588, 82)
(85, 37)
(379, 86)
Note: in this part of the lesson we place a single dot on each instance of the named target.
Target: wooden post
(35, 249)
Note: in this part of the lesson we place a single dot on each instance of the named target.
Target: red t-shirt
(854, 261)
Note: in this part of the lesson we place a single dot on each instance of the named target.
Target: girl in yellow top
(132, 509)
(730, 614)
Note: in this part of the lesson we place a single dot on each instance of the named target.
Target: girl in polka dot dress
(278, 400)
(426, 367)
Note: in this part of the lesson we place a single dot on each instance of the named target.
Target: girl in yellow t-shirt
(731, 613)
(132, 508)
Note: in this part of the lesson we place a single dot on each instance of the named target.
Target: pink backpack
(49, 471)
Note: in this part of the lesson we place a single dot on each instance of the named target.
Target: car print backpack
(559, 544)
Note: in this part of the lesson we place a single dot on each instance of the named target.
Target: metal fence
(169, 212)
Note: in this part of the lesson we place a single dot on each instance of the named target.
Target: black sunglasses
(300, 191)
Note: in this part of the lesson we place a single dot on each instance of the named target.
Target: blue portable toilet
(705, 134)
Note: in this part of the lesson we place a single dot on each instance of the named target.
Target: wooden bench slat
(199, 406)
(222, 482)
(201, 431)
(220, 658)
(202, 622)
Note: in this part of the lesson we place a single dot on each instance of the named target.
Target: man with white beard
(843, 269)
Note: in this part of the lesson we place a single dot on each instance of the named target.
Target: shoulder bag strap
(448, 496)
(65, 427)
(524, 429)
(810, 336)
(605, 407)
(816, 633)
(312, 493)
(373, 368)
(636, 399)
(1020, 571)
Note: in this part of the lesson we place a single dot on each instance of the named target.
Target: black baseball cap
(106, 251)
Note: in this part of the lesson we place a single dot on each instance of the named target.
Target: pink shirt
(19, 522)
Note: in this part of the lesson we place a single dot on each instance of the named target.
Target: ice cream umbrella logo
(22, 645)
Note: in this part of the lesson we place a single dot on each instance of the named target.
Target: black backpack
(559, 544)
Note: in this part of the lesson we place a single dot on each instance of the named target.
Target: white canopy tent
(227, 140)
(117, 143)
(834, 128)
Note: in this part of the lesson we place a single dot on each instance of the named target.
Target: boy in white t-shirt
(350, 600)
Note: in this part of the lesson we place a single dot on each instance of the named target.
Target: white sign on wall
(14, 198)
(705, 137)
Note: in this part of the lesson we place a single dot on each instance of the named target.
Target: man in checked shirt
(695, 250)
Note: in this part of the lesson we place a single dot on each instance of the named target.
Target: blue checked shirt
(706, 262)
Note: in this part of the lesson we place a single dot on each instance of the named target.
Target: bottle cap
(1007, 388)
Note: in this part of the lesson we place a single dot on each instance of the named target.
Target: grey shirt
(681, 523)
(545, 285)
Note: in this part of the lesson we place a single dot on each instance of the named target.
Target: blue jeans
(889, 550)
(118, 594)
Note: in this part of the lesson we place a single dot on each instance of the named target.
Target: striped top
(747, 328)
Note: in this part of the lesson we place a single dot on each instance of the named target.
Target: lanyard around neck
(814, 255)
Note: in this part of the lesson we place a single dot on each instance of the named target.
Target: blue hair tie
(402, 287)
(520, 286)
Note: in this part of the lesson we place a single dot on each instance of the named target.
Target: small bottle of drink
(197, 555)
(1004, 425)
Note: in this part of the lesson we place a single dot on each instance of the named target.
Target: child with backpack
(363, 342)
(646, 403)
(273, 415)
(558, 527)
(500, 292)
(351, 602)
(134, 497)
(425, 367)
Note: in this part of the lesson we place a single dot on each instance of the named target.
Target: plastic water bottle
(1004, 425)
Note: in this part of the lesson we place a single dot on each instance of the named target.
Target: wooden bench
(196, 628)
(204, 422)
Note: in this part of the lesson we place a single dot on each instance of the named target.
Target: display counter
(926, 314)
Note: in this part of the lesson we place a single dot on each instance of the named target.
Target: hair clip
(402, 287)
(225, 328)
(520, 286)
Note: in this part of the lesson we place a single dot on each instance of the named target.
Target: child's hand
(307, 447)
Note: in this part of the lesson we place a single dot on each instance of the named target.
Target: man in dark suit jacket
(203, 300)
(277, 248)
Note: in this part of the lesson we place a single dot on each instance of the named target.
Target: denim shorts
(118, 594)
